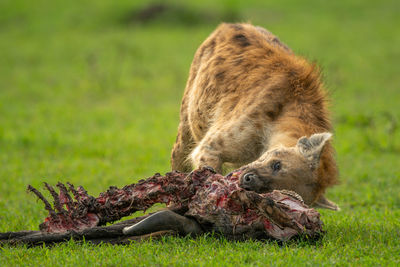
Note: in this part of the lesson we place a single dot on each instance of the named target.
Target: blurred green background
(90, 93)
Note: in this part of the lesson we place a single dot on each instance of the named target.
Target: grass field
(90, 95)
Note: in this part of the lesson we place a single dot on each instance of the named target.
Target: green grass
(87, 96)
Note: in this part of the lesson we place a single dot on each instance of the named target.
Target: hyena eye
(276, 166)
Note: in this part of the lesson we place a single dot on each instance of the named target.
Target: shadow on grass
(174, 14)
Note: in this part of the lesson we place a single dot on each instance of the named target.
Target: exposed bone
(57, 204)
(47, 205)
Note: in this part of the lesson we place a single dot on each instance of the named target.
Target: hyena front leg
(207, 155)
(233, 143)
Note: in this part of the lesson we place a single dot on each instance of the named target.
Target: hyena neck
(291, 128)
(277, 141)
(286, 139)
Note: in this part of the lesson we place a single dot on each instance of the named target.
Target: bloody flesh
(216, 202)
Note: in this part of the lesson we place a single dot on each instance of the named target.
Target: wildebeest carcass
(199, 202)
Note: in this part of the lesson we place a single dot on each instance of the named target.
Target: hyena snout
(253, 182)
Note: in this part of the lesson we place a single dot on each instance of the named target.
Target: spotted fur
(247, 95)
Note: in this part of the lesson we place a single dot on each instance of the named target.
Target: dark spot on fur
(238, 61)
(294, 135)
(230, 134)
(219, 60)
(275, 40)
(241, 40)
(280, 153)
(212, 47)
(220, 142)
(234, 78)
(258, 125)
(268, 95)
(241, 128)
(248, 66)
(202, 51)
(292, 74)
(229, 50)
(277, 65)
(257, 83)
(209, 89)
(202, 159)
(220, 76)
(235, 99)
(255, 114)
(237, 27)
(271, 115)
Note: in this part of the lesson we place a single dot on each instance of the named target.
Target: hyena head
(291, 168)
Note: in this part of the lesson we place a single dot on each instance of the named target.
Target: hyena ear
(311, 148)
(324, 203)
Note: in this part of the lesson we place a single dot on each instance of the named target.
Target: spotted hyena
(250, 101)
